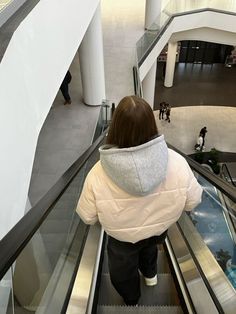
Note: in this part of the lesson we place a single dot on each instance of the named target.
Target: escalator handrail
(218, 182)
(18, 237)
(227, 170)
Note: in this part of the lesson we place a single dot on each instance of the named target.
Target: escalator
(162, 298)
(226, 173)
(51, 262)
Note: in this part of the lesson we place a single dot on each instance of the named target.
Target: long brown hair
(133, 123)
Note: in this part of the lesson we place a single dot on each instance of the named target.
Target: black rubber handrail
(166, 25)
(19, 236)
(135, 80)
(227, 170)
(137, 87)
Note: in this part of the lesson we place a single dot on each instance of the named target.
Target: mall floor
(68, 130)
(202, 95)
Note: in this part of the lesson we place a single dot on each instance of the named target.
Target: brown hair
(133, 123)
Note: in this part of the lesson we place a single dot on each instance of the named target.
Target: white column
(152, 13)
(92, 62)
(170, 64)
(148, 84)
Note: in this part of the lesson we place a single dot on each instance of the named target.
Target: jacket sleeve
(194, 191)
(86, 207)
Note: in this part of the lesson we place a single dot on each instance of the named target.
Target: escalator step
(106, 309)
(162, 263)
(164, 293)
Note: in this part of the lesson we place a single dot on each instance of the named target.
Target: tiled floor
(186, 123)
(65, 135)
(68, 129)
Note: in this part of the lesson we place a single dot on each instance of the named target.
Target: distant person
(65, 88)
(137, 190)
(203, 132)
(162, 110)
(199, 145)
(167, 111)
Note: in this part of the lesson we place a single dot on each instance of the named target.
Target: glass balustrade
(176, 7)
(213, 221)
(150, 35)
(6, 294)
(44, 269)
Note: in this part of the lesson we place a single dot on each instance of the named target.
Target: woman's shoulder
(95, 172)
(176, 162)
(175, 157)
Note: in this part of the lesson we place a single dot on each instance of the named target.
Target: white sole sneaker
(151, 281)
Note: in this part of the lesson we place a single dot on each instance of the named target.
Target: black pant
(65, 91)
(125, 259)
(161, 114)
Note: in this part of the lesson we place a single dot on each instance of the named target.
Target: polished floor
(197, 84)
(68, 130)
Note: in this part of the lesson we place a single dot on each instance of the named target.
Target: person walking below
(65, 88)
(137, 190)
(162, 110)
(168, 109)
(199, 145)
(203, 132)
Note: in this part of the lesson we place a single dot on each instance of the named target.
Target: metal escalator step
(162, 263)
(164, 293)
(107, 309)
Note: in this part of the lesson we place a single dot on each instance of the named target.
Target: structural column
(148, 84)
(152, 13)
(170, 64)
(92, 62)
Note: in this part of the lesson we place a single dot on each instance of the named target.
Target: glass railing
(6, 293)
(210, 233)
(150, 36)
(103, 118)
(173, 8)
(40, 278)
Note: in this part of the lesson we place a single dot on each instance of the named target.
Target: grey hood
(137, 170)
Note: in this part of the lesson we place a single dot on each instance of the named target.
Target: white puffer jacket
(138, 192)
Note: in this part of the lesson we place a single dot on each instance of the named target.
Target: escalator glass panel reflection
(213, 222)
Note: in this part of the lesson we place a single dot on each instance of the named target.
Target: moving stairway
(162, 298)
(50, 262)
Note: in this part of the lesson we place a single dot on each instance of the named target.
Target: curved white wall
(216, 23)
(206, 34)
(31, 71)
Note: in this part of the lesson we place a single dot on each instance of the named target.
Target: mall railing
(174, 9)
(40, 255)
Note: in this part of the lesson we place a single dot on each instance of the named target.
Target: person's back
(199, 145)
(203, 131)
(137, 190)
